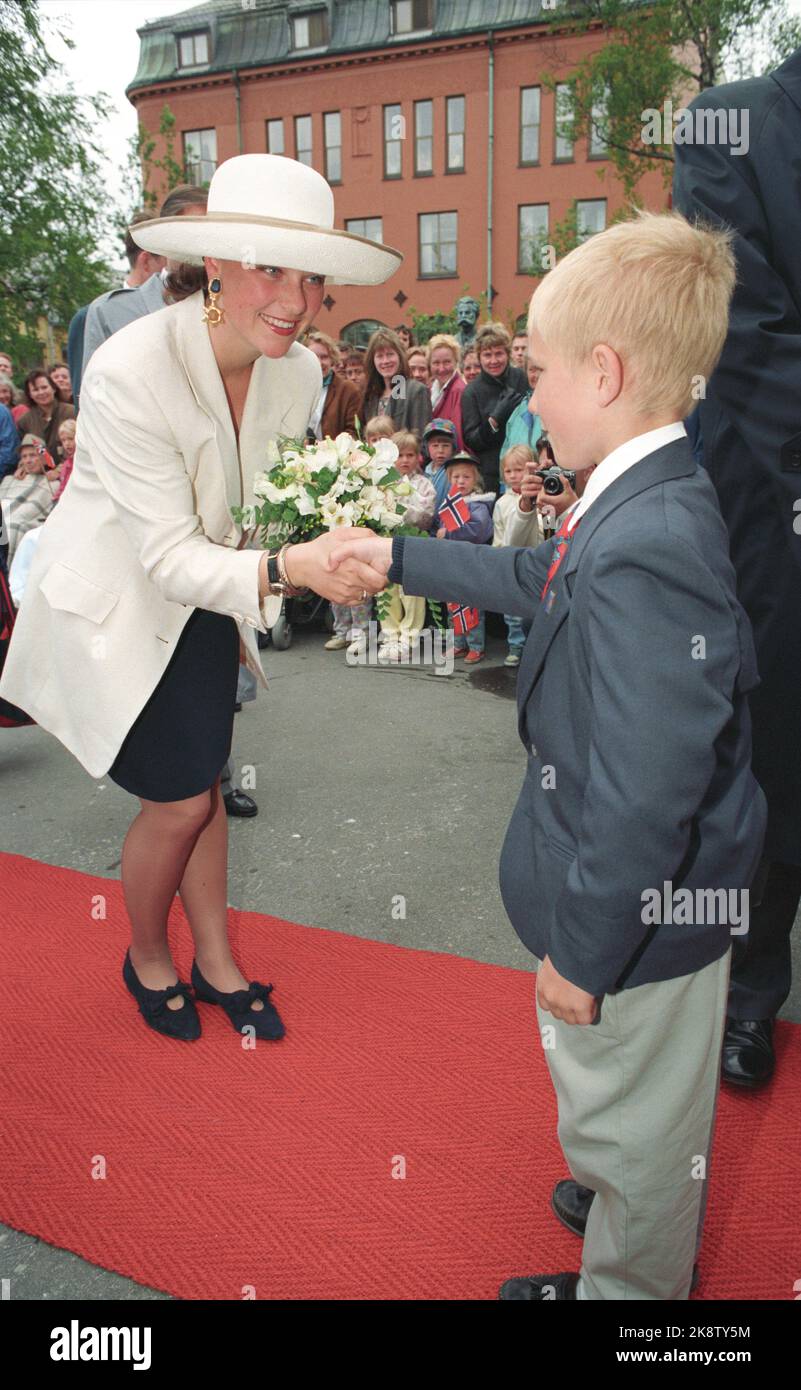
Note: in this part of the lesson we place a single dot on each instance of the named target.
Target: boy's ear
(607, 370)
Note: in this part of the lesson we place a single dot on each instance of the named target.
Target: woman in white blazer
(143, 589)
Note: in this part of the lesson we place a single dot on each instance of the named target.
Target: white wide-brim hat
(264, 209)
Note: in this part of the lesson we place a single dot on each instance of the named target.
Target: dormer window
(193, 49)
(310, 30)
(412, 16)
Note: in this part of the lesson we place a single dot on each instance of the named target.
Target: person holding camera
(490, 399)
(547, 488)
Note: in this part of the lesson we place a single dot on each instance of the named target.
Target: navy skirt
(180, 741)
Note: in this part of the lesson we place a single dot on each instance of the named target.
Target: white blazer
(143, 532)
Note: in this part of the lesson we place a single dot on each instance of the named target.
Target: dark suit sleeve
(656, 712)
(758, 378)
(502, 580)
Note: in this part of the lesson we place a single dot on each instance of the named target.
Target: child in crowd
(66, 438)
(465, 479)
(352, 620)
(379, 427)
(513, 466)
(401, 626)
(440, 441)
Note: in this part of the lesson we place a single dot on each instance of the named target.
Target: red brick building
(428, 117)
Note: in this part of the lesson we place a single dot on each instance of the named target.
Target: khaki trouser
(405, 615)
(637, 1095)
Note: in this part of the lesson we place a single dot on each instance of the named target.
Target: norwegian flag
(462, 619)
(454, 511)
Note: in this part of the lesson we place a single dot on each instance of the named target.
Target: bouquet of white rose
(312, 488)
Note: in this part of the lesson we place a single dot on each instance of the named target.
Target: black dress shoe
(748, 1057)
(540, 1288)
(183, 1023)
(266, 1022)
(571, 1204)
(238, 804)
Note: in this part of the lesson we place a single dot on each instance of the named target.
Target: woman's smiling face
(267, 306)
(42, 391)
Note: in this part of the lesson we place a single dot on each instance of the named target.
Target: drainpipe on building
(490, 154)
(238, 96)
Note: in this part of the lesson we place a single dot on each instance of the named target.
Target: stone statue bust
(467, 311)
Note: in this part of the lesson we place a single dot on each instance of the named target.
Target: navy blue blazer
(632, 705)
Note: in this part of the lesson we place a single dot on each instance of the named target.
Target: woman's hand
(340, 565)
(441, 533)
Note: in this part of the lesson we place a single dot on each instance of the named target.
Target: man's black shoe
(238, 707)
(540, 1288)
(238, 804)
(571, 1204)
(748, 1057)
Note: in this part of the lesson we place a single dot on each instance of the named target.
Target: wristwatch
(277, 576)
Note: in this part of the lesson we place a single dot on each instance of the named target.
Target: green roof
(256, 33)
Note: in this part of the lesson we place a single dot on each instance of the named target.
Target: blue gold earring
(212, 313)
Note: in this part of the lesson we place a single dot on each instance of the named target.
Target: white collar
(621, 459)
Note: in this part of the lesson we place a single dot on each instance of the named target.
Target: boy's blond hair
(518, 453)
(382, 425)
(657, 290)
(406, 439)
(445, 340)
(67, 427)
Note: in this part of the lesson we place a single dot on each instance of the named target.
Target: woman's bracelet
(291, 590)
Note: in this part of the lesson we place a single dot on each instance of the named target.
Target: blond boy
(639, 826)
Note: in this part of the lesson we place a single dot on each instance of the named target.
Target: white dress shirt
(621, 458)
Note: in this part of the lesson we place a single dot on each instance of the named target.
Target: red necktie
(562, 539)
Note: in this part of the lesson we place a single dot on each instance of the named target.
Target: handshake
(344, 565)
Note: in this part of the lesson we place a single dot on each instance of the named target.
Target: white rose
(385, 452)
(389, 519)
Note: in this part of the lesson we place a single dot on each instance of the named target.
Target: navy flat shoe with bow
(238, 1005)
(182, 1023)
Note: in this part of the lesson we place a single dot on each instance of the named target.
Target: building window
(424, 137)
(563, 108)
(359, 333)
(437, 235)
(193, 49)
(393, 135)
(370, 227)
(598, 148)
(310, 30)
(454, 135)
(200, 155)
(412, 16)
(529, 125)
(275, 137)
(590, 217)
(303, 139)
(332, 129)
(532, 233)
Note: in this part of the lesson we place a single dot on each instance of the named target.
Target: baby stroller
(296, 612)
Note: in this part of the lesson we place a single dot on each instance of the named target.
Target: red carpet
(272, 1168)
